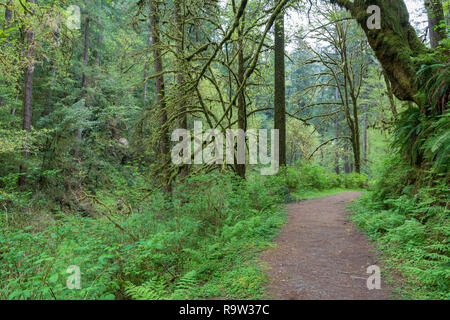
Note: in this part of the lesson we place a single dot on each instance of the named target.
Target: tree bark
(280, 87)
(347, 168)
(146, 66)
(365, 124)
(182, 118)
(160, 89)
(242, 108)
(336, 127)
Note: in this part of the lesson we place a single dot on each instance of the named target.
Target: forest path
(321, 255)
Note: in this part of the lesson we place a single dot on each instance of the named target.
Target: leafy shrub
(411, 226)
(202, 243)
(355, 180)
(307, 177)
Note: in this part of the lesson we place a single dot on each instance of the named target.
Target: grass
(315, 194)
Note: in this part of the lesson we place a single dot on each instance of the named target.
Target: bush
(411, 225)
(315, 177)
(201, 244)
(354, 180)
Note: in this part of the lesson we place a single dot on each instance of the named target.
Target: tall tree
(180, 35)
(28, 85)
(365, 126)
(345, 70)
(280, 87)
(147, 64)
(242, 108)
(164, 144)
(336, 128)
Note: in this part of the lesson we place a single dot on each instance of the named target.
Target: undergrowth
(410, 224)
(132, 244)
(201, 244)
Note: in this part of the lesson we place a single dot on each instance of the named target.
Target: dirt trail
(321, 255)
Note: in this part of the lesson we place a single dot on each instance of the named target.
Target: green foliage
(313, 177)
(201, 244)
(437, 145)
(424, 140)
(434, 83)
(411, 225)
(154, 289)
(422, 134)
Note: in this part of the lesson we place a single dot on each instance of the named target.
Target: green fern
(150, 290)
(184, 286)
(155, 289)
(437, 145)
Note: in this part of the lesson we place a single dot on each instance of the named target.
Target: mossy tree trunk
(280, 88)
(164, 144)
(179, 18)
(396, 45)
(242, 108)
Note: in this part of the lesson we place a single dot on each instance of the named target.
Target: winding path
(321, 255)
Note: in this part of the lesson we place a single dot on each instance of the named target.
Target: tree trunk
(396, 45)
(28, 90)
(182, 118)
(435, 14)
(356, 146)
(242, 112)
(346, 159)
(280, 88)
(160, 90)
(146, 66)
(84, 76)
(336, 127)
(365, 135)
(350, 89)
(85, 57)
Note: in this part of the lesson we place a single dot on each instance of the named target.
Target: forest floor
(320, 254)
